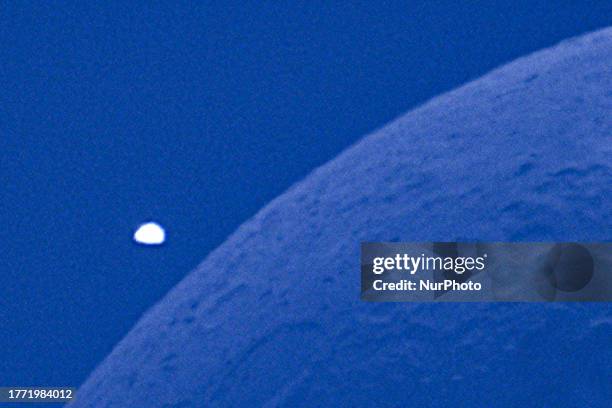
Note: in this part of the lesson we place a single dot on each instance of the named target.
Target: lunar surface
(273, 318)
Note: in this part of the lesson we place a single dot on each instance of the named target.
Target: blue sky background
(196, 115)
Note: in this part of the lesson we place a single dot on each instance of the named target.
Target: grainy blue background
(195, 115)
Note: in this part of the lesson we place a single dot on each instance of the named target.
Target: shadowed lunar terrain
(273, 318)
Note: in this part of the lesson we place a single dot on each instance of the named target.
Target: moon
(273, 318)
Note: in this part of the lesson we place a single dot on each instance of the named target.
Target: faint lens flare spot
(150, 233)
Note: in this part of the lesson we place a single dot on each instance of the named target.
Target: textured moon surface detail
(273, 318)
